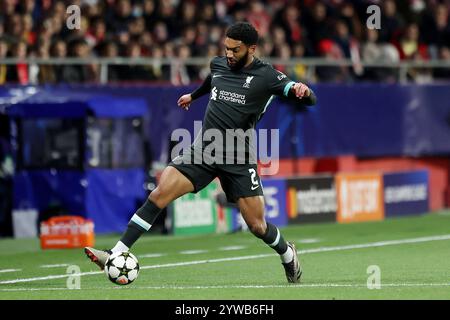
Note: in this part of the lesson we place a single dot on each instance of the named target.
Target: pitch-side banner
(275, 201)
(406, 193)
(311, 199)
(200, 213)
(275, 205)
(360, 197)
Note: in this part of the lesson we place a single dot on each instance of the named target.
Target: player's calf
(288, 254)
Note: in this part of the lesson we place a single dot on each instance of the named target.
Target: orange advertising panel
(67, 232)
(359, 197)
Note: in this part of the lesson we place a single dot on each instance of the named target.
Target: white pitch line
(151, 255)
(193, 251)
(296, 286)
(10, 270)
(50, 277)
(231, 248)
(292, 286)
(54, 265)
(309, 240)
(315, 250)
(32, 289)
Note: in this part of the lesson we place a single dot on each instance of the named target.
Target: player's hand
(185, 101)
(301, 90)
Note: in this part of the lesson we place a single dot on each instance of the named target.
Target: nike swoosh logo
(255, 187)
(217, 75)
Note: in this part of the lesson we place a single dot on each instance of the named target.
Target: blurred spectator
(329, 50)
(216, 33)
(283, 52)
(110, 50)
(135, 72)
(167, 15)
(435, 28)
(120, 17)
(409, 46)
(203, 34)
(146, 42)
(443, 73)
(13, 28)
(289, 20)
(212, 51)
(299, 72)
(318, 25)
(160, 33)
(3, 54)
(46, 72)
(161, 72)
(208, 13)
(136, 27)
(76, 73)
(375, 52)
(391, 21)
(187, 14)
(18, 73)
(420, 74)
(258, 17)
(58, 49)
(149, 13)
(28, 34)
(351, 19)
(371, 49)
(188, 37)
(278, 36)
(180, 73)
(7, 7)
(266, 47)
(28, 7)
(97, 31)
(159, 26)
(348, 45)
(2, 28)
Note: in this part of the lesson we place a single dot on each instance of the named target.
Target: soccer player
(241, 86)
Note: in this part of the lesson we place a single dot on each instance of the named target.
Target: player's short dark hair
(244, 32)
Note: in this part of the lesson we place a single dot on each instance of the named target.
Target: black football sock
(140, 222)
(274, 239)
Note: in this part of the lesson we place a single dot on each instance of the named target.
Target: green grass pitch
(412, 254)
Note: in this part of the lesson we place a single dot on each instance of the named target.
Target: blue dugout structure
(66, 155)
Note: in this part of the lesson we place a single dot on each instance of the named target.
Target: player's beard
(239, 64)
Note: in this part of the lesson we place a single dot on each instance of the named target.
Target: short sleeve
(278, 83)
(213, 63)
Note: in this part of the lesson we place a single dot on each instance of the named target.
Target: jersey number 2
(253, 178)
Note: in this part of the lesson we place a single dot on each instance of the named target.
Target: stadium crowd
(332, 29)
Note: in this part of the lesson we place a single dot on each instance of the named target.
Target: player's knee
(258, 228)
(158, 197)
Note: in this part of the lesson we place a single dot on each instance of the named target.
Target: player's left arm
(185, 100)
(279, 84)
(301, 91)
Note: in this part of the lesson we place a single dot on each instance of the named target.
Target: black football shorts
(237, 180)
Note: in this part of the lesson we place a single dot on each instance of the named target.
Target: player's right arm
(279, 84)
(205, 88)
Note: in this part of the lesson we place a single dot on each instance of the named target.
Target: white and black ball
(122, 268)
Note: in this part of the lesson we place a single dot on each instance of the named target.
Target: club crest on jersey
(247, 82)
(214, 93)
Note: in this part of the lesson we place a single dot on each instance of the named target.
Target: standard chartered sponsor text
(232, 97)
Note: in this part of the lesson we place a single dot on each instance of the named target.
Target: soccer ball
(122, 268)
